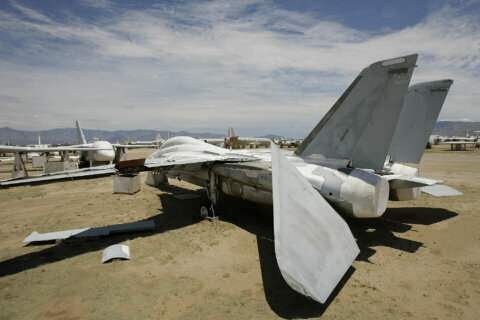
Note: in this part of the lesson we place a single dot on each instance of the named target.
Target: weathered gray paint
(313, 245)
(359, 126)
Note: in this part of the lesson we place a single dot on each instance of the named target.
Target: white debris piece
(116, 251)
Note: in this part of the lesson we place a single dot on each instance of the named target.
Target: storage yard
(421, 260)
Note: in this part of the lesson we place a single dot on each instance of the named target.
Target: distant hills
(69, 135)
(455, 128)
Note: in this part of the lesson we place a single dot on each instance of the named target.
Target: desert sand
(420, 260)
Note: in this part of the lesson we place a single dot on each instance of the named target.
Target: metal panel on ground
(91, 232)
(116, 251)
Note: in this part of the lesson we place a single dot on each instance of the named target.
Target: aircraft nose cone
(105, 155)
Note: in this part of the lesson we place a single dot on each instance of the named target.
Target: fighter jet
(311, 187)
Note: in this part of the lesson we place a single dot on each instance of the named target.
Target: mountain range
(69, 135)
(456, 128)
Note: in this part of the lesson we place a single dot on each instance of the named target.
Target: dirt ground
(421, 260)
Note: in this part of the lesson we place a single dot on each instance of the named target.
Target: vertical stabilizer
(81, 137)
(360, 125)
(231, 133)
(420, 111)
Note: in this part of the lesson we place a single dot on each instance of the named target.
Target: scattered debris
(91, 232)
(116, 251)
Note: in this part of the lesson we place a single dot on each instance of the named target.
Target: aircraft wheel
(204, 212)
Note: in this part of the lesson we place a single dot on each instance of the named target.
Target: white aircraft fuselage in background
(105, 152)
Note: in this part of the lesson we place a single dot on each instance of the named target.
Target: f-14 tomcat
(333, 171)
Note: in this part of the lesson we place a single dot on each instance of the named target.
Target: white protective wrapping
(313, 244)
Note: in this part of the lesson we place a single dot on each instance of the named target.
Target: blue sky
(260, 66)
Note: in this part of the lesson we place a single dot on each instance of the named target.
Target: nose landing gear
(208, 211)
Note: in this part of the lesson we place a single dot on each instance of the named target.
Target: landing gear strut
(208, 211)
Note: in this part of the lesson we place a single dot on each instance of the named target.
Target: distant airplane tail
(231, 133)
(418, 117)
(81, 137)
(360, 125)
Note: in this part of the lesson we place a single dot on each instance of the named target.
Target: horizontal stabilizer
(313, 244)
(360, 125)
(441, 191)
(397, 181)
(420, 111)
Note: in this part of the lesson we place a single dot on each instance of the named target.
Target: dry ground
(421, 260)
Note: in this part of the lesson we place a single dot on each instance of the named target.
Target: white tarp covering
(313, 244)
(116, 251)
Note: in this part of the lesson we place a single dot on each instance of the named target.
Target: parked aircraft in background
(288, 142)
(148, 144)
(39, 144)
(105, 152)
(460, 143)
(97, 155)
(19, 170)
(313, 245)
(233, 141)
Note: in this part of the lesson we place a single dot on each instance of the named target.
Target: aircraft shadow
(418, 215)
(286, 302)
(381, 231)
(282, 299)
(176, 214)
(258, 220)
